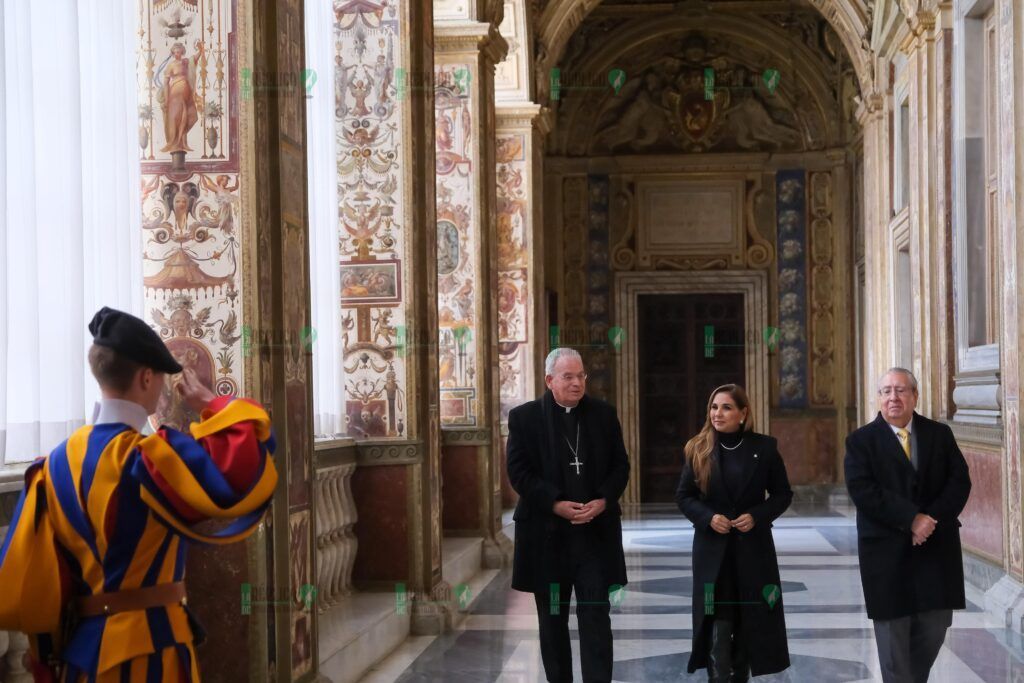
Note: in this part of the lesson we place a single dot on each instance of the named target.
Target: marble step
(461, 559)
(358, 633)
(462, 568)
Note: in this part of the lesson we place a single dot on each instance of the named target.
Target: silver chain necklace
(575, 462)
(574, 450)
(733, 448)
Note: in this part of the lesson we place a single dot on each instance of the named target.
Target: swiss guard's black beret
(132, 338)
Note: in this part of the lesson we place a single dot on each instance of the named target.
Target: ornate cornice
(869, 105)
(371, 453)
(470, 37)
(333, 453)
(466, 437)
(516, 114)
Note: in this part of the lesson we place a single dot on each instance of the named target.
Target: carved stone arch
(583, 113)
(889, 20)
(851, 20)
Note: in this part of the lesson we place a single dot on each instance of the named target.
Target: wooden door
(689, 344)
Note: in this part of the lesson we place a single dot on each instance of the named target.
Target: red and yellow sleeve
(32, 572)
(221, 470)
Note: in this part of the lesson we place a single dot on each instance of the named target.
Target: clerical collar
(115, 410)
(568, 409)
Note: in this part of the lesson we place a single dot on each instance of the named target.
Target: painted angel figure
(222, 188)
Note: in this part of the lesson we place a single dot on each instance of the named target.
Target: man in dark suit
(909, 482)
(567, 462)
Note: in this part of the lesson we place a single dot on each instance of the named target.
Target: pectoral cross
(577, 464)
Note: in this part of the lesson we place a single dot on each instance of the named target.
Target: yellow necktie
(904, 441)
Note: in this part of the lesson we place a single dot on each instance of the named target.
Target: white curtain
(70, 204)
(324, 260)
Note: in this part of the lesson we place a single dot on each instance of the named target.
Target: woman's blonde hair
(698, 449)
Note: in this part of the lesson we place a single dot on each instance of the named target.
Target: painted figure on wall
(177, 97)
(224, 190)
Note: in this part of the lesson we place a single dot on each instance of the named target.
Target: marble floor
(830, 636)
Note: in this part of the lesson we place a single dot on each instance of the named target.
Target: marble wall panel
(460, 487)
(382, 496)
(982, 517)
(807, 446)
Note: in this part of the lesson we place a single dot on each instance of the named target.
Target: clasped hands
(922, 527)
(724, 525)
(579, 513)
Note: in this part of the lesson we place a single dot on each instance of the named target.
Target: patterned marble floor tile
(830, 636)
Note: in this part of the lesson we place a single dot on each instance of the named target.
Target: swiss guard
(93, 565)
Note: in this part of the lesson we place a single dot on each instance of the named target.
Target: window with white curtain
(69, 200)
(324, 256)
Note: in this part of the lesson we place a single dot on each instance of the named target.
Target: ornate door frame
(753, 284)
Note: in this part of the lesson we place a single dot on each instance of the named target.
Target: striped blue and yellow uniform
(112, 510)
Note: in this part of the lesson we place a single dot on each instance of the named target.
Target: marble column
(465, 54)
(879, 350)
(1011, 216)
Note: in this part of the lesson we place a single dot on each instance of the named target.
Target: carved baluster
(330, 551)
(349, 516)
(321, 561)
(15, 658)
(336, 495)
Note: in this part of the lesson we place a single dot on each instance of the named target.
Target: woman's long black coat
(763, 628)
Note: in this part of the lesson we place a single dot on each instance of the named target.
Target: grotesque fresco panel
(513, 276)
(188, 151)
(370, 89)
(457, 245)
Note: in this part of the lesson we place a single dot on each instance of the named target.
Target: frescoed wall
(369, 90)
(514, 293)
(457, 245)
(192, 228)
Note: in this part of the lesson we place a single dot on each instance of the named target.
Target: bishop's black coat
(536, 474)
(763, 626)
(901, 579)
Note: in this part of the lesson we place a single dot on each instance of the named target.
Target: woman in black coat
(738, 623)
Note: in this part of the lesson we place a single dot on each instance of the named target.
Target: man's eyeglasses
(566, 377)
(899, 391)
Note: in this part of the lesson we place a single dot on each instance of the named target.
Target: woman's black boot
(740, 660)
(720, 653)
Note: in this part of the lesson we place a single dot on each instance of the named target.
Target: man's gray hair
(556, 354)
(908, 373)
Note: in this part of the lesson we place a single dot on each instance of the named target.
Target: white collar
(116, 410)
(568, 409)
(896, 430)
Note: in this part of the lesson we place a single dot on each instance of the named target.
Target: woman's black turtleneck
(732, 462)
